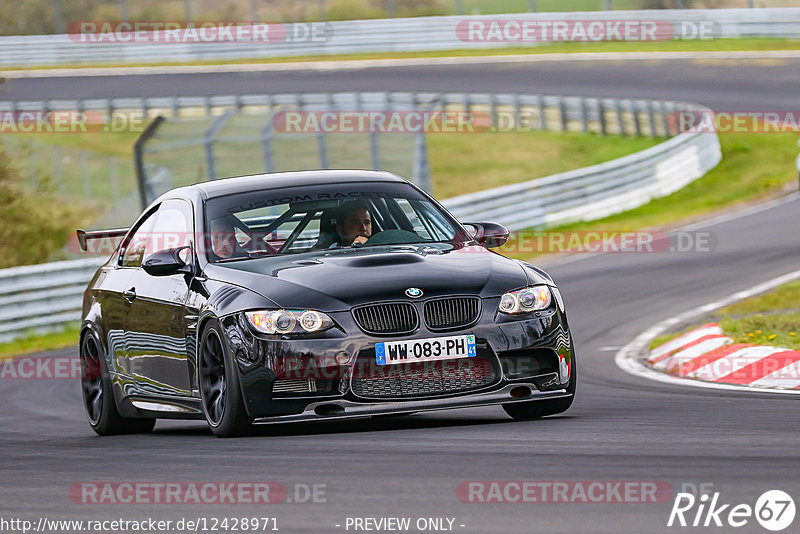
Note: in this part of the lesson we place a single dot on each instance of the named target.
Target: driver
(353, 224)
(223, 238)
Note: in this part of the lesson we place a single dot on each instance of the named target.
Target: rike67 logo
(774, 510)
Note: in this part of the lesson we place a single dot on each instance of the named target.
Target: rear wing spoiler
(84, 236)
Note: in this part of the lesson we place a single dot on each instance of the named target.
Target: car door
(109, 288)
(156, 329)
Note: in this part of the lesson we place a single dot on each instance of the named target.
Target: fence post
(637, 120)
(374, 146)
(607, 5)
(459, 7)
(421, 174)
(620, 116)
(208, 142)
(138, 155)
(322, 11)
(651, 117)
(266, 145)
(562, 105)
(187, 9)
(493, 110)
(391, 12)
(542, 112)
(532, 6)
(58, 16)
(123, 10)
(584, 116)
(667, 109)
(517, 126)
(601, 112)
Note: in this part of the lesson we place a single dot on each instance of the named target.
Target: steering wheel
(393, 237)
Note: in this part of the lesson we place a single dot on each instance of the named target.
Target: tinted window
(169, 227)
(139, 244)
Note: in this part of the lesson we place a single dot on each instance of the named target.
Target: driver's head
(223, 237)
(353, 219)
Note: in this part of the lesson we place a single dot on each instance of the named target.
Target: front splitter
(344, 409)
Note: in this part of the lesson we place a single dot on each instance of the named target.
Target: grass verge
(34, 343)
(463, 164)
(771, 319)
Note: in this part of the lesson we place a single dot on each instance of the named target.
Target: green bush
(34, 222)
(37, 17)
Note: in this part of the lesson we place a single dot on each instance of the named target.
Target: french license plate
(423, 350)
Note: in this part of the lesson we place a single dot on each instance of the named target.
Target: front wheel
(219, 386)
(525, 411)
(98, 397)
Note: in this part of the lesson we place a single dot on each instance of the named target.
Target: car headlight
(525, 300)
(289, 321)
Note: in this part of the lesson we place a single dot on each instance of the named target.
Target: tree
(34, 222)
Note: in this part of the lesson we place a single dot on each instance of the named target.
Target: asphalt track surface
(723, 84)
(620, 427)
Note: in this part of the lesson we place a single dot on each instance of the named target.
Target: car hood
(337, 280)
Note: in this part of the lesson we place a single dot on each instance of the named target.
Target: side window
(140, 243)
(169, 227)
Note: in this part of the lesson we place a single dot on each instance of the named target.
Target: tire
(220, 394)
(526, 411)
(98, 396)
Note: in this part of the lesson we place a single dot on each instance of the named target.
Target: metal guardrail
(597, 191)
(43, 297)
(379, 35)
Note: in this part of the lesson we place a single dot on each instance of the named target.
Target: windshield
(325, 217)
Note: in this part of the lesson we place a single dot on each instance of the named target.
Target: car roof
(256, 182)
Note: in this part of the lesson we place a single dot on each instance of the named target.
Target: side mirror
(489, 235)
(166, 262)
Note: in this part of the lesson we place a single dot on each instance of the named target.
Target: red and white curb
(707, 354)
(706, 358)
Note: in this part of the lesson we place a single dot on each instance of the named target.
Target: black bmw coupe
(315, 295)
